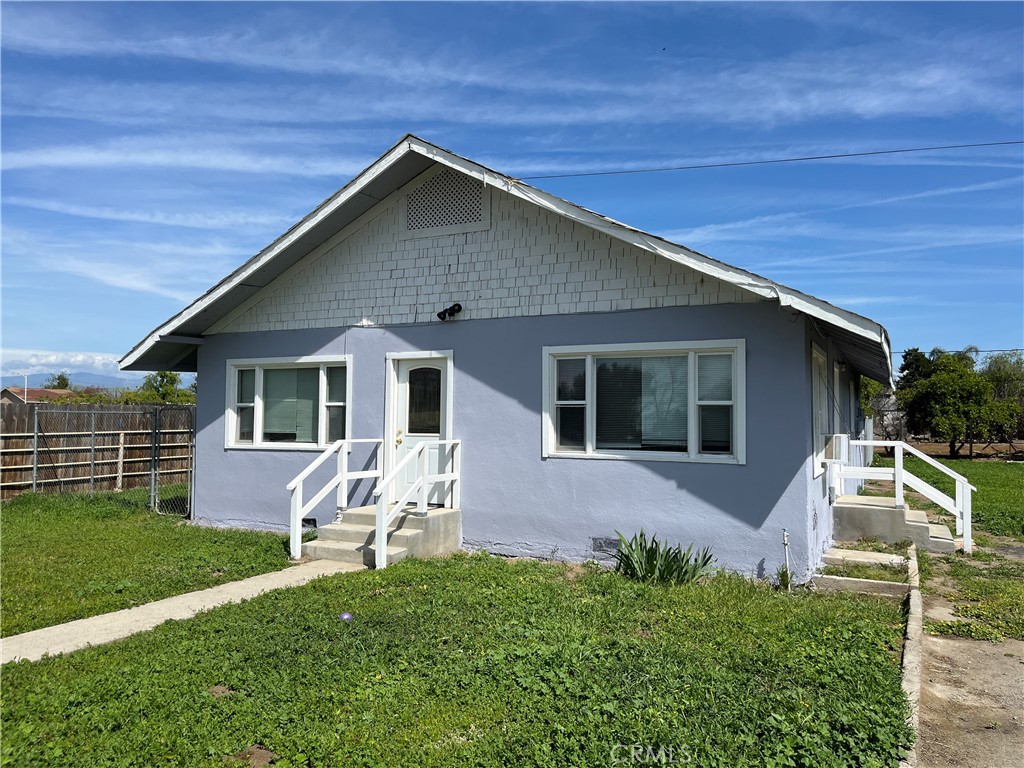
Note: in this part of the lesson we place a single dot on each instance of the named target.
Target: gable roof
(172, 346)
(37, 394)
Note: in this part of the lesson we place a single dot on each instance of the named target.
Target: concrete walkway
(108, 627)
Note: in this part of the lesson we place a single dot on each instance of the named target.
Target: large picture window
(288, 402)
(681, 402)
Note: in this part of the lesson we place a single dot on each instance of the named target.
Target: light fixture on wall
(452, 311)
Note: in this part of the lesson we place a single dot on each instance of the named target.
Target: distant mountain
(88, 379)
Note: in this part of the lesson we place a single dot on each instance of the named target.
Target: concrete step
(368, 516)
(915, 516)
(837, 556)
(351, 552)
(364, 534)
(941, 540)
(875, 517)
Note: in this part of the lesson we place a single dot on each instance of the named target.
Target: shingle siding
(529, 262)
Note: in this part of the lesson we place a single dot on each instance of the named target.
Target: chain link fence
(146, 452)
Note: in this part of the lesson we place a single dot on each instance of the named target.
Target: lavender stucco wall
(513, 500)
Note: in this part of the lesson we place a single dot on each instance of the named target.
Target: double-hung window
(663, 401)
(292, 403)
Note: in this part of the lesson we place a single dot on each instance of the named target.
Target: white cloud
(178, 271)
(192, 219)
(23, 362)
(146, 153)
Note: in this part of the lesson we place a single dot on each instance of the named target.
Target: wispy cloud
(356, 72)
(148, 153)
(177, 271)
(802, 224)
(191, 219)
(25, 362)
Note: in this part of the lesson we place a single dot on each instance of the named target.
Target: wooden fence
(88, 448)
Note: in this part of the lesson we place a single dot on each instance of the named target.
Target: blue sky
(150, 148)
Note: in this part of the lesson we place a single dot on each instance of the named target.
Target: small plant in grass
(650, 560)
(972, 630)
(784, 578)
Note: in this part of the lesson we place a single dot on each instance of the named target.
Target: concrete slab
(838, 556)
(108, 627)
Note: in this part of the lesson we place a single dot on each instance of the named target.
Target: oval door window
(425, 401)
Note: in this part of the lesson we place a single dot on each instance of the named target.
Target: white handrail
(328, 452)
(339, 480)
(960, 506)
(420, 488)
(920, 454)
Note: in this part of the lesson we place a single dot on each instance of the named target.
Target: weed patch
(474, 661)
(67, 557)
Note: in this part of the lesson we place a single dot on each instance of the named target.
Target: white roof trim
(787, 297)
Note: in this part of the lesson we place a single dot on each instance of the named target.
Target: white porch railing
(420, 489)
(340, 480)
(841, 469)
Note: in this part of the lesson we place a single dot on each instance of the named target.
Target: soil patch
(256, 756)
(220, 691)
(972, 702)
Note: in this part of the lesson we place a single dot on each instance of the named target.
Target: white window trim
(819, 414)
(737, 347)
(262, 363)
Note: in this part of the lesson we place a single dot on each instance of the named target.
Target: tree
(162, 387)
(953, 404)
(58, 381)
(915, 368)
(1005, 372)
(878, 404)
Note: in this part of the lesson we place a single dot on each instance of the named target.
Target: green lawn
(65, 557)
(475, 661)
(998, 504)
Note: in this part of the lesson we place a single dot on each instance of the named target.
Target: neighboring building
(600, 378)
(21, 395)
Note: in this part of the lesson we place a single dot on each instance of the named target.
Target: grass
(987, 591)
(475, 661)
(873, 571)
(66, 557)
(874, 545)
(998, 504)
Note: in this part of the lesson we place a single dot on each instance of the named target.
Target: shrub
(649, 560)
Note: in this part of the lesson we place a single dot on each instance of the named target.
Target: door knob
(398, 441)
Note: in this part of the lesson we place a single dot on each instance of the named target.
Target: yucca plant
(649, 560)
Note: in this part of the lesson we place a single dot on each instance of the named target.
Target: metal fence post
(35, 447)
(153, 505)
(92, 454)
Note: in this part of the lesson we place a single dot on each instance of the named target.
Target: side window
(662, 401)
(281, 403)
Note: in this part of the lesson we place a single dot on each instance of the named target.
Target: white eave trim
(760, 286)
(324, 210)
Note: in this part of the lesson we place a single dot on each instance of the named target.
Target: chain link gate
(145, 452)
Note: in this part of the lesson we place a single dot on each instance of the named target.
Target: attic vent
(448, 199)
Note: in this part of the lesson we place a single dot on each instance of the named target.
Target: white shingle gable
(528, 261)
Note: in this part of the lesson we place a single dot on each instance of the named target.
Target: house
(21, 395)
(578, 376)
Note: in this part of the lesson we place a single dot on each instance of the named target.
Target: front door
(421, 404)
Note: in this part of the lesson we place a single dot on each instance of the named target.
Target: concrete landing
(837, 556)
(353, 539)
(108, 627)
(878, 517)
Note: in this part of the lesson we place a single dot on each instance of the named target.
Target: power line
(772, 162)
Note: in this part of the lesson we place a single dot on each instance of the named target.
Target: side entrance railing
(418, 490)
(841, 469)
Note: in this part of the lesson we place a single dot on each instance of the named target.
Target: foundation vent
(448, 199)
